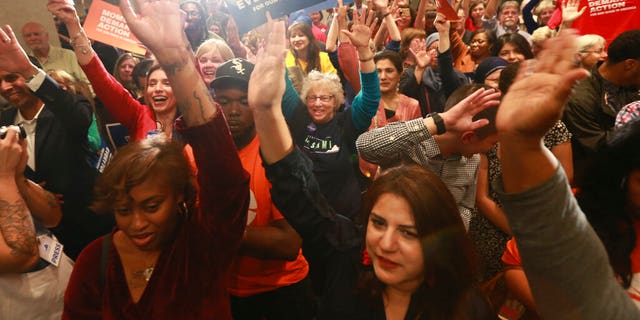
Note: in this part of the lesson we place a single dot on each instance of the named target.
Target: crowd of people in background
(376, 160)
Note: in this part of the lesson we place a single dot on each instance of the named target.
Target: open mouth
(142, 240)
(160, 99)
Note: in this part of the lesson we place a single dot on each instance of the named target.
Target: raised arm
(159, 25)
(112, 93)
(382, 6)
(491, 10)
(399, 140)
(72, 110)
(294, 189)
(365, 104)
(18, 245)
(561, 254)
(570, 13)
(420, 21)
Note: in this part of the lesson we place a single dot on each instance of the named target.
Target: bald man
(36, 39)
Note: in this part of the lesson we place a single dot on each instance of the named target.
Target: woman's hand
(159, 25)
(421, 57)
(264, 95)
(63, 10)
(570, 11)
(541, 88)
(361, 31)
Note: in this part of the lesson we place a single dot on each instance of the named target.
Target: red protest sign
(105, 23)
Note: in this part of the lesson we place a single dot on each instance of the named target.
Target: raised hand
(361, 30)
(63, 10)
(460, 117)
(265, 97)
(159, 25)
(269, 65)
(570, 11)
(12, 56)
(381, 4)
(421, 57)
(442, 24)
(541, 88)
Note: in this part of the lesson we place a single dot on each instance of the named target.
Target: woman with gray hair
(591, 50)
(328, 135)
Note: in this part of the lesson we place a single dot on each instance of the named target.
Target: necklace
(146, 273)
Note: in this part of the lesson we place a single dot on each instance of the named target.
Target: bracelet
(367, 59)
(74, 42)
(386, 14)
(437, 119)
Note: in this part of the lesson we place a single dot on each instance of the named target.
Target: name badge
(50, 249)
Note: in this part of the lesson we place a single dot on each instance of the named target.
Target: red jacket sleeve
(136, 117)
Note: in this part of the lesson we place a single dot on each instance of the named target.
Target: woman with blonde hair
(210, 55)
(123, 71)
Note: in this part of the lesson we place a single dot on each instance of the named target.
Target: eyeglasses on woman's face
(323, 98)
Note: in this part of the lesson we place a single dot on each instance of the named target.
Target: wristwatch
(437, 119)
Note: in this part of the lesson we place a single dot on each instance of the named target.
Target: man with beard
(509, 18)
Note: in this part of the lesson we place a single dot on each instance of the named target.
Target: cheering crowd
(373, 161)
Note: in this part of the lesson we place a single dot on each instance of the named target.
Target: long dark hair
(450, 263)
(603, 197)
(313, 49)
(515, 40)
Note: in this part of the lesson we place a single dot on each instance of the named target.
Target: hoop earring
(183, 209)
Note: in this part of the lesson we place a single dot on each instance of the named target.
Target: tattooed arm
(159, 25)
(41, 203)
(18, 245)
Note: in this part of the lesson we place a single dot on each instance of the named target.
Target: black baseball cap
(236, 71)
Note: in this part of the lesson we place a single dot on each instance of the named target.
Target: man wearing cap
(489, 70)
(269, 277)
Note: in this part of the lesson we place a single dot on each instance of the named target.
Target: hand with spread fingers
(158, 24)
(460, 117)
(12, 56)
(541, 87)
(361, 30)
(570, 11)
(422, 57)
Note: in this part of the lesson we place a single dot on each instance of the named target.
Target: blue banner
(250, 14)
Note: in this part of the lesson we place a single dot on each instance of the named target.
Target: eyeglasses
(478, 41)
(323, 98)
(599, 51)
